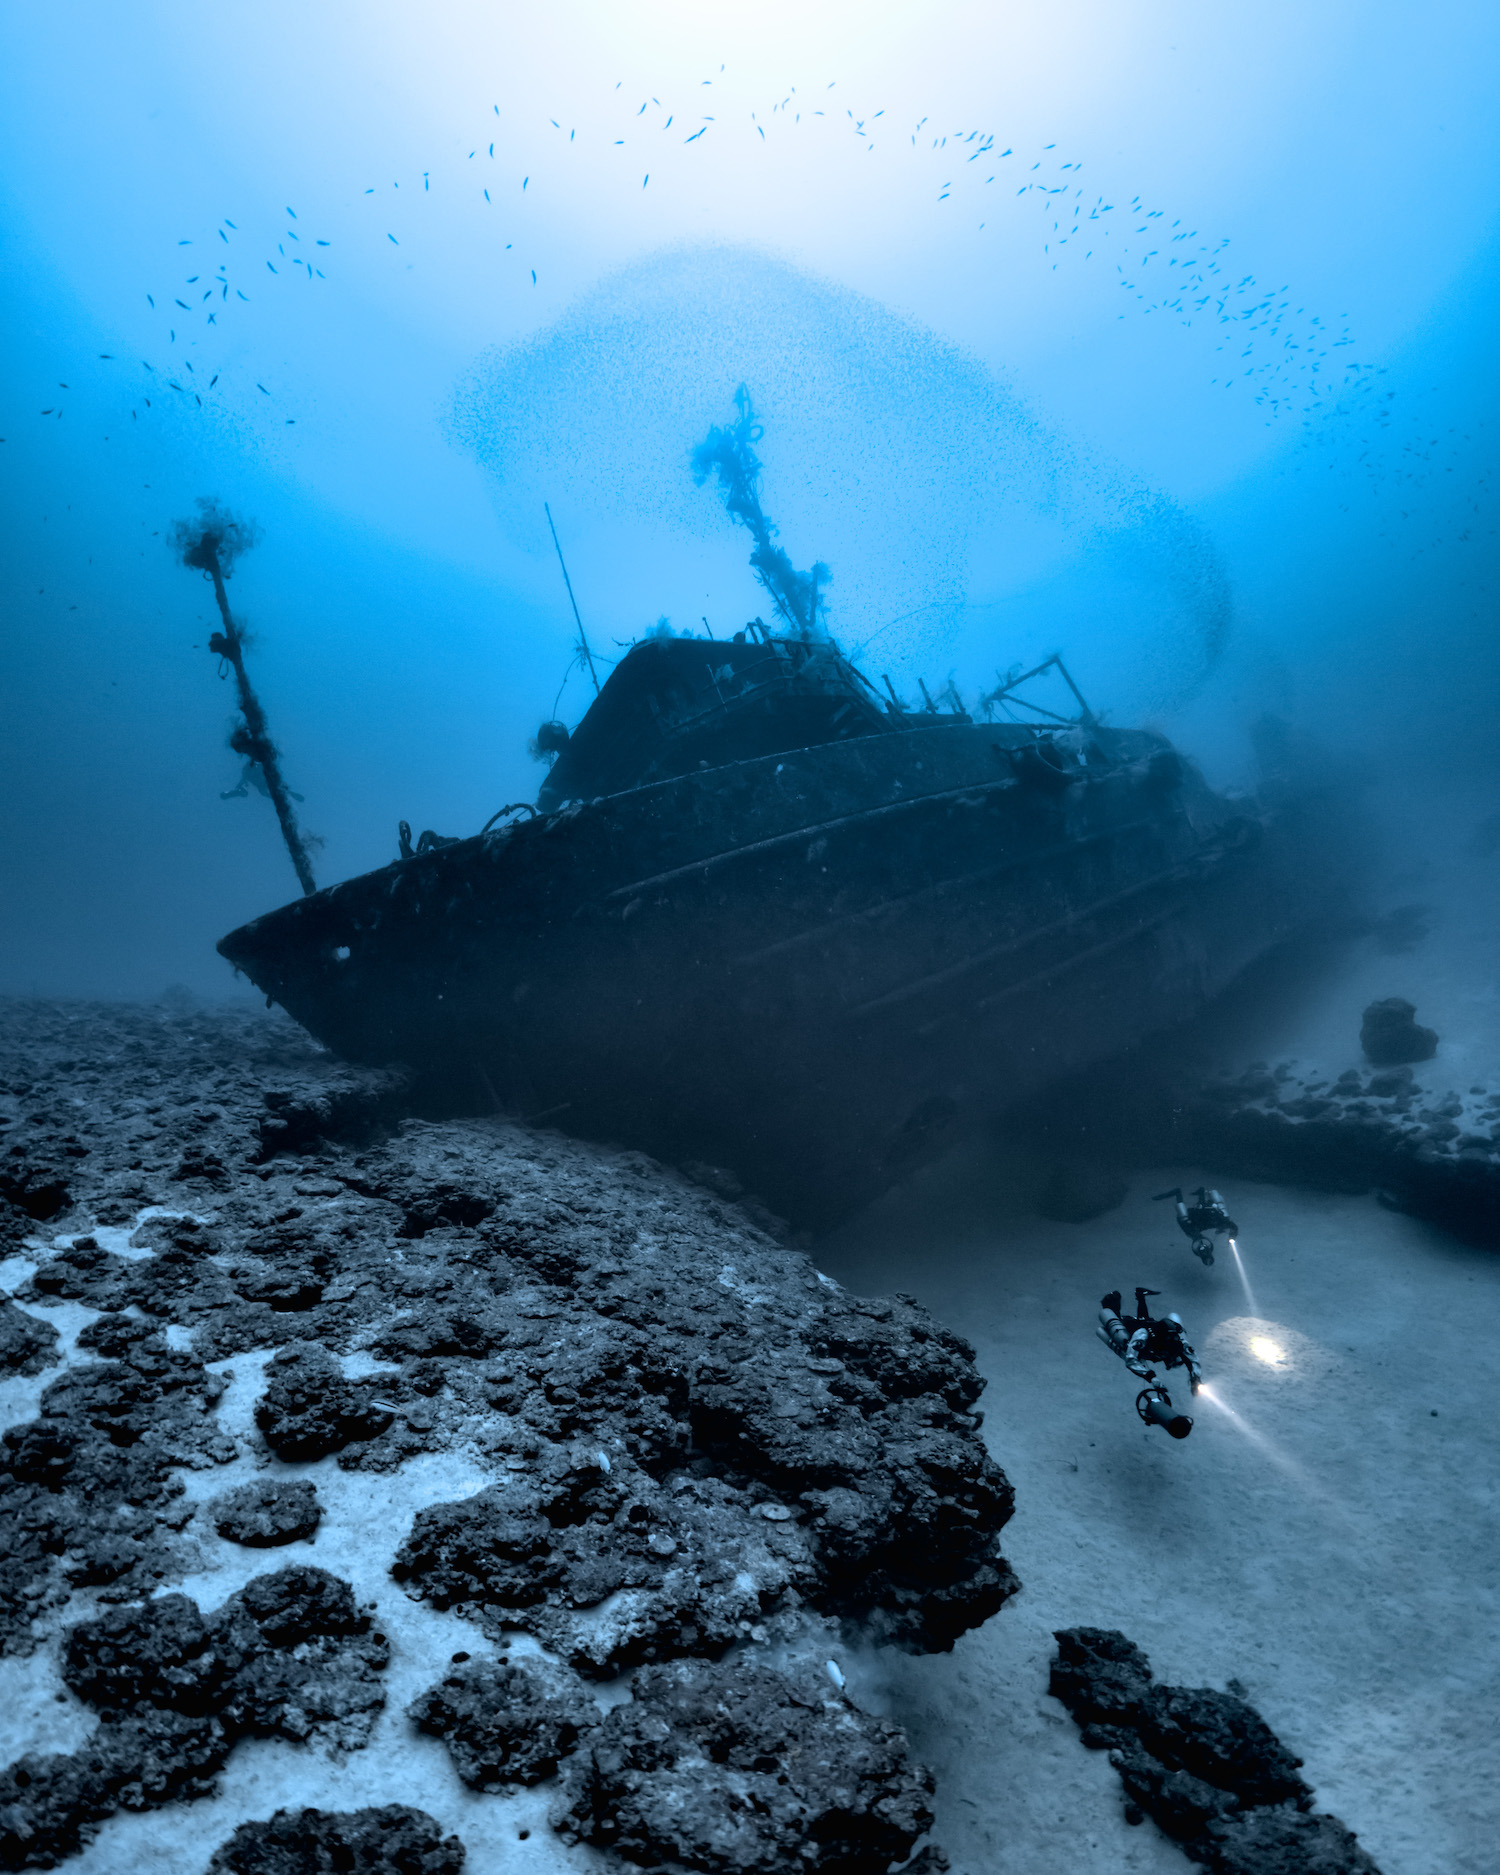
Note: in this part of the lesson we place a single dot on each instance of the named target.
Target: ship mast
(583, 643)
(728, 454)
(210, 545)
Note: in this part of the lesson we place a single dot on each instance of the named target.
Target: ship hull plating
(813, 968)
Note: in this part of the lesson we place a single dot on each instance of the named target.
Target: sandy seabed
(1327, 1535)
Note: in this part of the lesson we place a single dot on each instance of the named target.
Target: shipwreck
(766, 917)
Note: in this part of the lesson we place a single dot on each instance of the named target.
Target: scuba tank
(1222, 1220)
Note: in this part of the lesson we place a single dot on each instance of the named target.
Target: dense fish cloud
(957, 523)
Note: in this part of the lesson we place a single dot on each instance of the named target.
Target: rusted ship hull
(813, 968)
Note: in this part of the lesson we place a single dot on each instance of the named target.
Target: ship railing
(1005, 696)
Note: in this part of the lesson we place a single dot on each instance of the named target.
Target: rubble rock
(80, 1272)
(1285, 1842)
(392, 1840)
(50, 1806)
(1218, 1737)
(1359, 1132)
(877, 1501)
(88, 1489)
(1390, 1034)
(34, 1182)
(290, 1656)
(1203, 1765)
(27, 1344)
(740, 1769)
(504, 1723)
(309, 1410)
(687, 1447)
(349, 1102)
(268, 1513)
(1101, 1678)
(1180, 1804)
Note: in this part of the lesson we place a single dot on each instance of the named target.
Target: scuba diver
(1201, 1220)
(1139, 1340)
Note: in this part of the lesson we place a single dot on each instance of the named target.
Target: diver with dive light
(1202, 1220)
(1141, 1339)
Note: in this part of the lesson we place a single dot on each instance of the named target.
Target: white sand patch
(365, 1517)
(21, 1394)
(503, 1835)
(37, 1712)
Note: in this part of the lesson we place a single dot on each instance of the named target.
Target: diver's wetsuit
(1201, 1221)
(1141, 1338)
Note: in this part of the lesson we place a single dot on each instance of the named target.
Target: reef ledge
(625, 1470)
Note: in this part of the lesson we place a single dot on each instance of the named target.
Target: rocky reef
(1390, 1033)
(391, 1840)
(745, 1776)
(691, 1462)
(1431, 1150)
(1203, 1765)
(1391, 1122)
(289, 1656)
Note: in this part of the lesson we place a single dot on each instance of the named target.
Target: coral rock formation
(290, 1656)
(269, 1513)
(1390, 1034)
(682, 1451)
(26, 1344)
(745, 1770)
(393, 1840)
(504, 1723)
(1203, 1765)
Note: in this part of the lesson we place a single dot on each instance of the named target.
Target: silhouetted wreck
(766, 918)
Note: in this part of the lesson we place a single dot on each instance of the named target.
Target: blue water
(1154, 334)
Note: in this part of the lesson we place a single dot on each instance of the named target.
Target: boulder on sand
(1390, 1033)
(1078, 1190)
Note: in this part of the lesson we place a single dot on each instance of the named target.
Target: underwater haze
(1154, 334)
